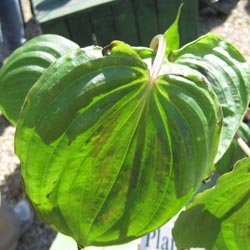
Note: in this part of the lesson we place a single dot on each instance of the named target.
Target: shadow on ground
(214, 14)
(3, 124)
(32, 29)
(220, 7)
(247, 7)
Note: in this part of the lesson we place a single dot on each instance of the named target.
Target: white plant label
(160, 239)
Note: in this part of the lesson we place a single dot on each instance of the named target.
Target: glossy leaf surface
(108, 155)
(228, 72)
(218, 218)
(23, 68)
(172, 34)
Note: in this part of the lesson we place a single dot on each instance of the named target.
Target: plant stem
(159, 43)
(242, 145)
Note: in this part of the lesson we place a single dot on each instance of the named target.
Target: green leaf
(234, 152)
(218, 218)
(108, 155)
(228, 72)
(172, 34)
(25, 66)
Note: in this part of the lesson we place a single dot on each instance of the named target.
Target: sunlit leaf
(172, 34)
(107, 154)
(25, 66)
(218, 218)
(228, 72)
(234, 152)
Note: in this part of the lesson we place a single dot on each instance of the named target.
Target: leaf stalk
(159, 43)
(242, 145)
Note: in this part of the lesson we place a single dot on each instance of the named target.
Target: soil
(230, 19)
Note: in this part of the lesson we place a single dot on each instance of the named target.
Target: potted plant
(115, 141)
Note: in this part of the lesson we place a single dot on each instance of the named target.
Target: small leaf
(172, 34)
(218, 218)
(229, 75)
(24, 67)
(234, 152)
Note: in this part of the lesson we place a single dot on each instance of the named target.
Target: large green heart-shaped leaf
(107, 154)
(228, 72)
(25, 66)
(218, 218)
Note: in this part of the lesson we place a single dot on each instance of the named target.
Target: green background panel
(99, 22)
